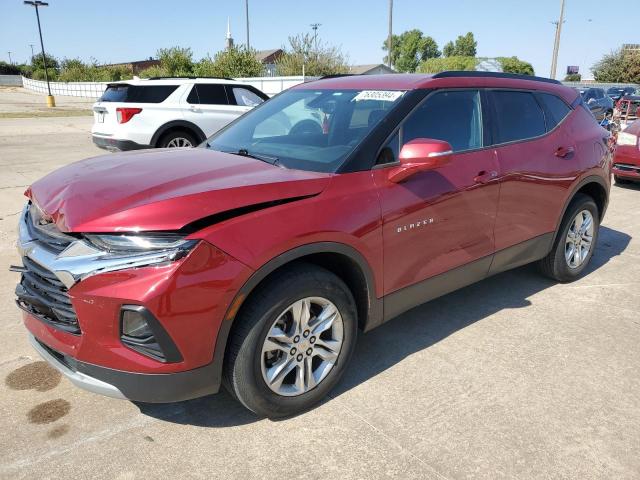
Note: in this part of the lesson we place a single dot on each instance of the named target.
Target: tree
(9, 69)
(235, 62)
(465, 45)
(409, 49)
(449, 49)
(38, 64)
(573, 77)
(435, 65)
(620, 66)
(176, 61)
(323, 60)
(515, 65)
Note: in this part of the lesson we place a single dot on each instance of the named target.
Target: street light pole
(31, 45)
(37, 3)
(556, 44)
(10, 62)
(390, 39)
(246, 12)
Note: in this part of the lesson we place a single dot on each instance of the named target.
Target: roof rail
(187, 77)
(337, 75)
(515, 76)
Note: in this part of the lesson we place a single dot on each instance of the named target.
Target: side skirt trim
(523, 253)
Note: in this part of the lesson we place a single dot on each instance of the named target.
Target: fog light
(134, 325)
(142, 332)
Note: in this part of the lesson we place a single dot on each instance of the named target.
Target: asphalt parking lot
(514, 377)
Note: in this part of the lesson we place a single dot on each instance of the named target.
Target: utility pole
(246, 14)
(37, 3)
(390, 39)
(314, 27)
(556, 44)
(10, 62)
(31, 45)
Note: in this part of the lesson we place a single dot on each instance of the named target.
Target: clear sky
(125, 30)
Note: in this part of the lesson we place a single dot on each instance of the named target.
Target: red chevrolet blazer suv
(254, 260)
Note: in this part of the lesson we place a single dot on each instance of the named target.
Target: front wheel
(291, 342)
(575, 241)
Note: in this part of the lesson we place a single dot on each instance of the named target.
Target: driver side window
(452, 116)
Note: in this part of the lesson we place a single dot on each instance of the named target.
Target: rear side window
(245, 97)
(556, 109)
(137, 93)
(518, 116)
(208, 94)
(454, 116)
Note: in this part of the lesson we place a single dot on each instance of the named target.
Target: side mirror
(419, 155)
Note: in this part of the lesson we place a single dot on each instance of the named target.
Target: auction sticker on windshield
(385, 95)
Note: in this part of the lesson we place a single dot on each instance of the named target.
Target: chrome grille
(41, 294)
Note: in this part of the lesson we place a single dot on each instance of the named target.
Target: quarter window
(518, 116)
(245, 97)
(453, 116)
(556, 109)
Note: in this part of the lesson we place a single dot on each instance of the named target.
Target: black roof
(514, 76)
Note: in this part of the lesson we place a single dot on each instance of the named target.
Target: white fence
(269, 85)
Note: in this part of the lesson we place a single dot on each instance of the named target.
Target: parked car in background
(626, 163)
(600, 104)
(168, 112)
(616, 93)
(254, 260)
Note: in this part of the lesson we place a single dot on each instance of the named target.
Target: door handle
(484, 176)
(563, 152)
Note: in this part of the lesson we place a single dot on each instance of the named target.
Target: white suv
(168, 112)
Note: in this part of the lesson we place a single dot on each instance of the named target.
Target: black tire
(242, 370)
(554, 265)
(176, 135)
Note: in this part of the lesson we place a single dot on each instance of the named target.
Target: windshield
(307, 129)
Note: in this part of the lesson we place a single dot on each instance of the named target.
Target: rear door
(536, 157)
(210, 107)
(441, 219)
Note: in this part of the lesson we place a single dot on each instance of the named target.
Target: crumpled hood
(154, 190)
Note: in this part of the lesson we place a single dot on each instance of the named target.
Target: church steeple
(229, 40)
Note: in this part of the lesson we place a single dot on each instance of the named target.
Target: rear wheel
(291, 341)
(177, 139)
(574, 242)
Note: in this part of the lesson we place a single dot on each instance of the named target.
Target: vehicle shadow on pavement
(628, 186)
(397, 339)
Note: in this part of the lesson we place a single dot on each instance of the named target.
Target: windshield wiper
(243, 152)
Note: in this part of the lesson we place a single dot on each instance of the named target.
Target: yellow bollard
(51, 102)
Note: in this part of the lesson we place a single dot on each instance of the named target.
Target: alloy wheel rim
(179, 142)
(579, 239)
(302, 346)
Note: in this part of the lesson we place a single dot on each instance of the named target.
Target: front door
(438, 220)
